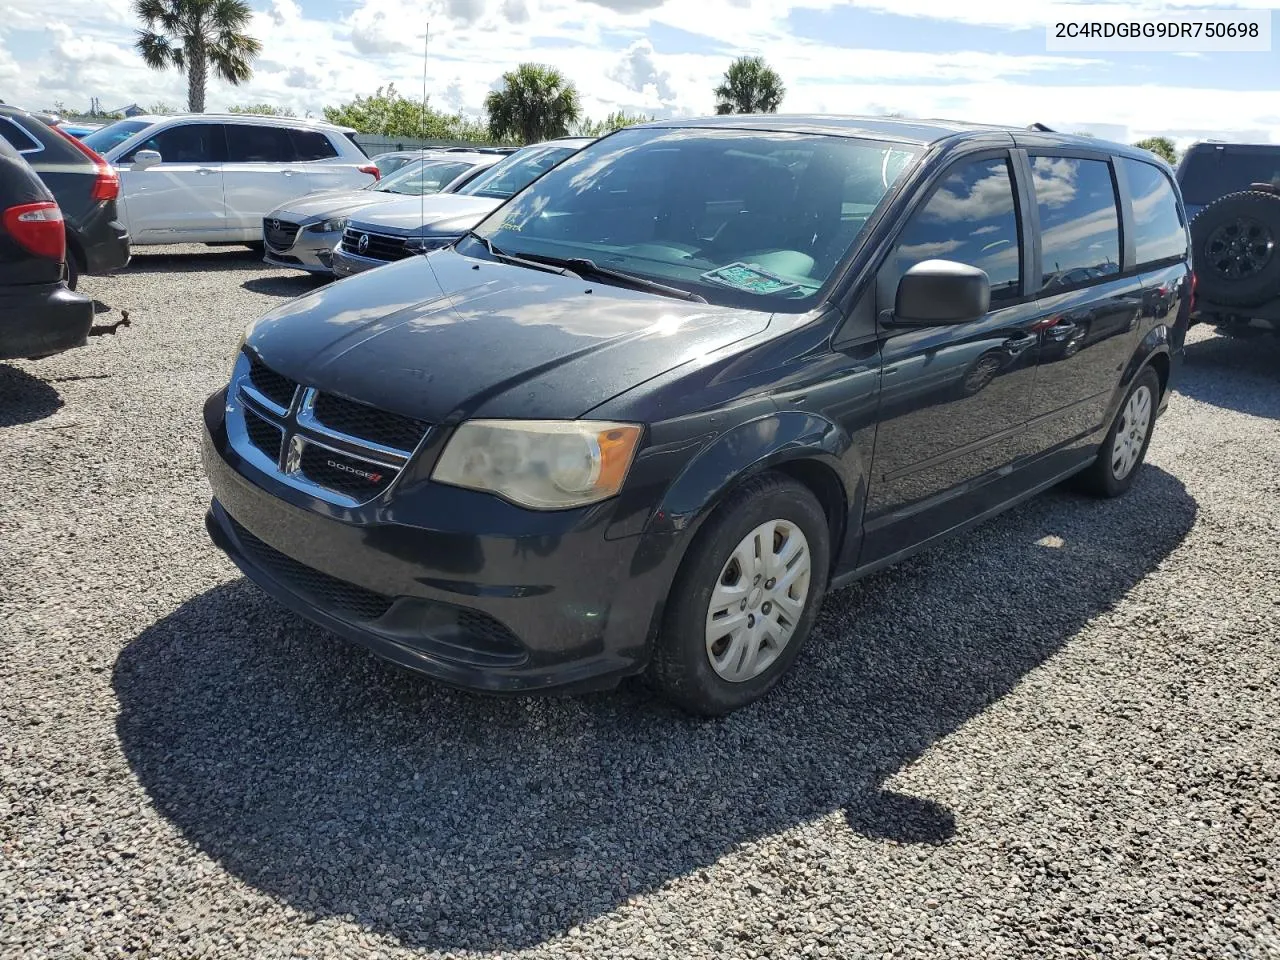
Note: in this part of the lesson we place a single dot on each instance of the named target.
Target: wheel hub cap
(1132, 434)
(758, 600)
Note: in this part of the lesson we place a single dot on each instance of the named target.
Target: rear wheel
(745, 598)
(1125, 446)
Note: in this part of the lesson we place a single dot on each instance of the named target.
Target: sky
(978, 60)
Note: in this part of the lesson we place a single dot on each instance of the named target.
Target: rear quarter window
(17, 137)
(1158, 229)
(312, 145)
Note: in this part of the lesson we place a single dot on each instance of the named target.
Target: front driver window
(971, 218)
(188, 143)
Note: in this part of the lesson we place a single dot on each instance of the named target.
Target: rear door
(1091, 306)
(180, 198)
(260, 175)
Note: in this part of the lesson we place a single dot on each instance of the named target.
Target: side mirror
(146, 158)
(940, 292)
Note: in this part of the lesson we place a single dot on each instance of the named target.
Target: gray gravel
(1054, 737)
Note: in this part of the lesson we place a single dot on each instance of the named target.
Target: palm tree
(750, 86)
(535, 103)
(192, 35)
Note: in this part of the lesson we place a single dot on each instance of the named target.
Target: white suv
(209, 178)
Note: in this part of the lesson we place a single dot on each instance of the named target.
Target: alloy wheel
(1239, 249)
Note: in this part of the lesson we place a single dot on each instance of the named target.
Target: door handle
(1016, 345)
(205, 171)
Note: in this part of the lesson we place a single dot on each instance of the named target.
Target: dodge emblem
(363, 245)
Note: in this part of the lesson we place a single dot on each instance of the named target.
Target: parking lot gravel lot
(1058, 736)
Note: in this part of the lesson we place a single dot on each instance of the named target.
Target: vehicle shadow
(290, 286)
(24, 398)
(1234, 373)
(346, 787)
(188, 258)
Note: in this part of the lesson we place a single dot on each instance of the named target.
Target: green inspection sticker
(744, 276)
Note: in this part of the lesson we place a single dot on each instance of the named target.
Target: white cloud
(638, 70)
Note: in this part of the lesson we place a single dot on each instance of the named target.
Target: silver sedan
(303, 232)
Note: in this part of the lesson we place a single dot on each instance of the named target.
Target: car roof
(917, 132)
(252, 118)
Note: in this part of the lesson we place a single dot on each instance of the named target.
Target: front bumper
(449, 583)
(346, 264)
(42, 319)
(310, 250)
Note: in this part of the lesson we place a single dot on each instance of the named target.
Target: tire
(1105, 476)
(682, 668)
(1235, 243)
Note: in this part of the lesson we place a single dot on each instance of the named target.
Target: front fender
(748, 449)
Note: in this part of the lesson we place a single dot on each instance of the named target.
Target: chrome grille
(279, 233)
(361, 420)
(333, 448)
(379, 246)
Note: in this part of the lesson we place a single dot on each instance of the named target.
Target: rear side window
(1158, 231)
(1079, 221)
(187, 143)
(18, 138)
(311, 145)
(252, 143)
(972, 217)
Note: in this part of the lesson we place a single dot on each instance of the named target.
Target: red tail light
(37, 227)
(371, 170)
(1194, 281)
(107, 184)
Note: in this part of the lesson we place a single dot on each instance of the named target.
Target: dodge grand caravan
(645, 414)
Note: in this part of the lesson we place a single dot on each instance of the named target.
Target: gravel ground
(1054, 737)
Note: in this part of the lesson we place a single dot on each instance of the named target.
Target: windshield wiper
(513, 259)
(584, 268)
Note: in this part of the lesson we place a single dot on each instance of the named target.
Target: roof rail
(1040, 128)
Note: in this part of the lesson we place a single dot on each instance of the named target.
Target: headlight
(334, 225)
(425, 244)
(541, 464)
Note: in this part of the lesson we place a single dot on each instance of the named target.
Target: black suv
(649, 411)
(1232, 191)
(85, 186)
(39, 316)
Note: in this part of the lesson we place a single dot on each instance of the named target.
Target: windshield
(423, 176)
(1211, 174)
(113, 134)
(748, 218)
(510, 176)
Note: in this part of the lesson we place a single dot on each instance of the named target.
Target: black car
(85, 185)
(1232, 191)
(39, 316)
(651, 409)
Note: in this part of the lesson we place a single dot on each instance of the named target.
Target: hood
(446, 337)
(336, 203)
(434, 213)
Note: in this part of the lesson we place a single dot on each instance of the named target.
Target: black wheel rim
(1239, 249)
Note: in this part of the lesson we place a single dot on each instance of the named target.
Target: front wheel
(1125, 446)
(744, 599)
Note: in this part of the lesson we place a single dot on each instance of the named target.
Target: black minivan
(648, 412)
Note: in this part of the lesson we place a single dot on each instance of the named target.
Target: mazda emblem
(275, 224)
(363, 245)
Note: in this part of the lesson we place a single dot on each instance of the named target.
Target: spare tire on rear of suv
(1233, 244)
